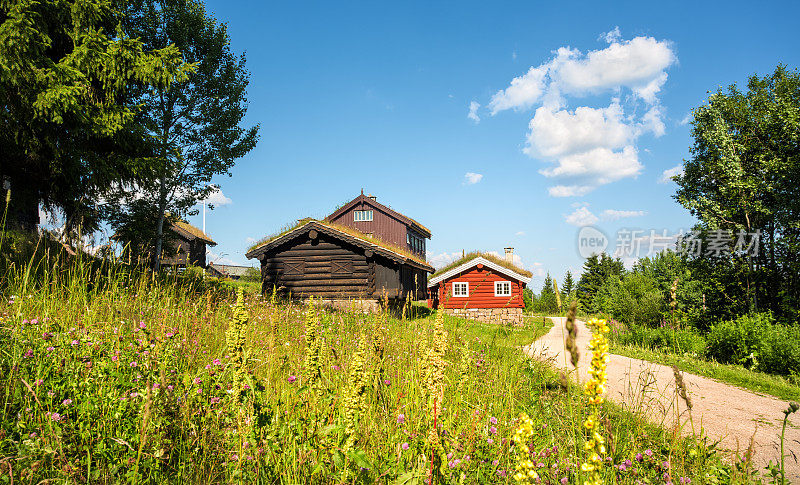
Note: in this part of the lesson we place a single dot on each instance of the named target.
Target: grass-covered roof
(478, 254)
(338, 227)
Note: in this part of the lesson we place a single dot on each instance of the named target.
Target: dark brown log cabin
(366, 215)
(318, 259)
(186, 246)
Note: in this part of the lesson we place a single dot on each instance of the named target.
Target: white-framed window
(460, 290)
(502, 288)
(362, 216)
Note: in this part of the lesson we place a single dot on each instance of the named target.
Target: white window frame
(499, 284)
(462, 284)
(362, 215)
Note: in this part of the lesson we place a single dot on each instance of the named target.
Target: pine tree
(596, 270)
(547, 297)
(568, 287)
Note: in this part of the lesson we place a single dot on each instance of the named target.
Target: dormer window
(362, 216)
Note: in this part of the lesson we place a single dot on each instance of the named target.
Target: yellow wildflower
(525, 468)
(594, 390)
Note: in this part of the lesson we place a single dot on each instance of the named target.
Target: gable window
(502, 288)
(461, 289)
(362, 216)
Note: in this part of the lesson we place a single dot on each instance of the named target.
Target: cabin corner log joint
(316, 259)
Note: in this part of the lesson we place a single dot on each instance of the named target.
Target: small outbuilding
(186, 246)
(480, 287)
(339, 264)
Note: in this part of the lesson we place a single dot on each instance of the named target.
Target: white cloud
(612, 36)
(519, 233)
(582, 216)
(219, 258)
(591, 146)
(249, 240)
(473, 111)
(443, 259)
(613, 215)
(558, 133)
(686, 119)
(523, 91)
(651, 121)
(569, 190)
(471, 178)
(599, 166)
(666, 175)
(217, 198)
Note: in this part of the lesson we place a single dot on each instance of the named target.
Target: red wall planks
(481, 290)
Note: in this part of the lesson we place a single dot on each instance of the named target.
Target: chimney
(509, 254)
(373, 197)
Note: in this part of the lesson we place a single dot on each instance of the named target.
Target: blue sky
(377, 96)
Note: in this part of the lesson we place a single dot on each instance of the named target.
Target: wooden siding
(481, 290)
(331, 268)
(383, 226)
(181, 252)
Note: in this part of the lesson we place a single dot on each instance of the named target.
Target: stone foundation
(488, 315)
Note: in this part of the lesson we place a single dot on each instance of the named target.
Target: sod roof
(347, 233)
(489, 257)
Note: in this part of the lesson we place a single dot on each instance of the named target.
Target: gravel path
(725, 412)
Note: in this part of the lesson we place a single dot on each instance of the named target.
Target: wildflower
(312, 373)
(387, 382)
(38, 382)
(134, 394)
(355, 402)
(594, 389)
(75, 343)
(489, 440)
(55, 417)
(198, 381)
(114, 358)
(142, 325)
(404, 446)
(291, 379)
(66, 402)
(648, 452)
(685, 480)
(493, 420)
(199, 390)
(639, 457)
(492, 430)
(214, 400)
(525, 467)
(216, 362)
(336, 367)
(28, 354)
(495, 462)
(50, 349)
(133, 364)
(401, 418)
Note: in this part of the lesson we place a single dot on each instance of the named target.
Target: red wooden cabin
(480, 289)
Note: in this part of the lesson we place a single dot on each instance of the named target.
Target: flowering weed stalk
(594, 389)
(525, 468)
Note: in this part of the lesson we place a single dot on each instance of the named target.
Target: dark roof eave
(405, 219)
(254, 253)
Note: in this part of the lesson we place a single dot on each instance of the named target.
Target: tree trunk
(162, 207)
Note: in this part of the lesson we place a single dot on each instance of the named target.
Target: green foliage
(744, 175)
(69, 72)
(673, 340)
(780, 351)
(195, 125)
(739, 341)
(546, 303)
(596, 270)
(123, 376)
(631, 299)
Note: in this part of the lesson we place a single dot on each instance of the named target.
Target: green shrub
(680, 341)
(738, 341)
(779, 352)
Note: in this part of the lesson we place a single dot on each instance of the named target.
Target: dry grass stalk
(572, 335)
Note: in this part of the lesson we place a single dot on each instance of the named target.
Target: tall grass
(109, 374)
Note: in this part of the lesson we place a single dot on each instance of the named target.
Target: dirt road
(726, 412)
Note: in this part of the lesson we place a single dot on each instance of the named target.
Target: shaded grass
(736, 375)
